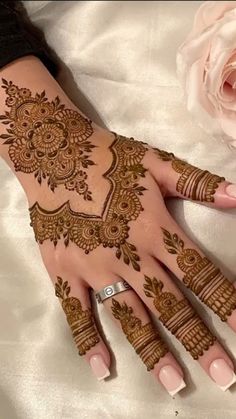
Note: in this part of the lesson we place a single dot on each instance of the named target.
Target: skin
(101, 266)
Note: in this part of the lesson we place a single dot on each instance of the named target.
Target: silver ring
(111, 290)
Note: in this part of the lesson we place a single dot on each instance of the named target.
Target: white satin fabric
(122, 58)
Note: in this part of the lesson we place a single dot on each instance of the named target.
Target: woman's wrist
(33, 106)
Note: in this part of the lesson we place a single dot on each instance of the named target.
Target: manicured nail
(99, 367)
(222, 374)
(171, 379)
(231, 190)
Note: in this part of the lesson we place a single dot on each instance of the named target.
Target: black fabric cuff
(18, 37)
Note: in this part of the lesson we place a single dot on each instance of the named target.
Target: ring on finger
(111, 290)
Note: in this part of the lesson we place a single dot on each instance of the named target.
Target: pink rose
(206, 64)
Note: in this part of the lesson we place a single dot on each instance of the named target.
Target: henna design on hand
(121, 206)
(180, 318)
(47, 139)
(144, 338)
(80, 321)
(202, 277)
(194, 183)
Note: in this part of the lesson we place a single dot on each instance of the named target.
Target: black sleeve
(19, 37)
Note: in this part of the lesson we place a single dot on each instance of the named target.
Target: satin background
(121, 55)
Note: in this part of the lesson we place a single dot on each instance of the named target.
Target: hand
(98, 212)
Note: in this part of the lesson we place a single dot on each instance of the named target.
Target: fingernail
(222, 374)
(171, 379)
(231, 190)
(99, 367)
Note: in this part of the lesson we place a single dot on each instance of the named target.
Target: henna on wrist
(47, 139)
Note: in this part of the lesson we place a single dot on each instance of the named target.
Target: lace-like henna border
(121, 206)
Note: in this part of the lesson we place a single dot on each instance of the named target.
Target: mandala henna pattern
(121, 206)
(202, 277)
(179, 317)
(194, 183)
(47, 139)
(144, 338)
(80, 321)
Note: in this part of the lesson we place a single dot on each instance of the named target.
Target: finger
(164, 299)
(75, 301)
(180, 179)
(132, 317)
(197, 272)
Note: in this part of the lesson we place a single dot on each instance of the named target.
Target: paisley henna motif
(194, 183)
(47, 139)
(80, 321)
(122, 205)
(202, 277)
(180, 318)
(144, 338)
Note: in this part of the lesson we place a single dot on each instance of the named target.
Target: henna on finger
(193, 183)
(80, 321)
(202, 277)
(121, 206)
(179, 318)
(144, 338)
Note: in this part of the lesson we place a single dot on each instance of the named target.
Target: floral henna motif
(144, 338)
(121, 206)
(202, 277)
(180, 318)
(194, 183)
(80, 321)
(47, 139)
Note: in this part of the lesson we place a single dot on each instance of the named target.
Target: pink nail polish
(222, 374)
(99, 367)
(231, 190)
(171, 379)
